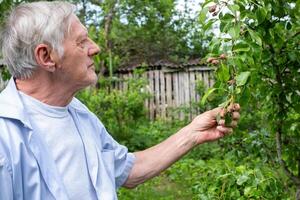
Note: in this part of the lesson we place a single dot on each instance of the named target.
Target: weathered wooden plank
(192, 92)
(120, 82)
(188, 94)
(192, 84)
(175, 89)
(205, 78)
(198, 78)
(200, 68)
(211, 78)
(146, 88)
(157, 93)
(151, 100)
(125, 82)
(170, 88)
(186, 88)
(181, 92)
(162, 93)
(117, 86)
(169, 101)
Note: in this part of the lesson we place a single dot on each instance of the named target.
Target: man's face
(76, 68)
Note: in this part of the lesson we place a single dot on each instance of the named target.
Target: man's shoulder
(77, 105)
(9, 109)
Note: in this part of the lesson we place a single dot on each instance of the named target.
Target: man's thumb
(218, 110)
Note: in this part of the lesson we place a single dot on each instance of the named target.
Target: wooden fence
(2, 82)
(172, 89)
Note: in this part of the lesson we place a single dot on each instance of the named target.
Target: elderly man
(51, 145)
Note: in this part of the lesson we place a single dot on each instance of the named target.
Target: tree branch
(282, 162)
(279, 125)
(299, 168)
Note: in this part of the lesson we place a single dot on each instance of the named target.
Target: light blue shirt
(59, 132)
(28, 169)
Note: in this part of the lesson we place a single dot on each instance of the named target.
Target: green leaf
(207, 94)
(225, 103)
(238, 90)
(228, 17)
(223, 73)
(241, 47)
(234, 32)
(234, 8)
(206, 2)
(202, 15)
(261, 14)
(208, 24)
(248, 191)
(242, 179)
(242, 78)
(226, 22)
(255, 37)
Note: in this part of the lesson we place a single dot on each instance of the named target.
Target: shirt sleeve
(123, 160)
(6, 189)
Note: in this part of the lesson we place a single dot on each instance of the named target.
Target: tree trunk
(107, 29)
(298, 193)
(279, 131)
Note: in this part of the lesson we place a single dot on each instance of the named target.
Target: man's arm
(204, 128)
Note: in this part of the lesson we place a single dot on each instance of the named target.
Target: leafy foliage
(122, 112)
(256, 59)
(262, 38)
(230, 170)
(144, 32)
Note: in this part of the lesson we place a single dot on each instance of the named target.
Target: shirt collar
(11, 105)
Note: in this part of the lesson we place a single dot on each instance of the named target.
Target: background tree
(262, 37)
(132, 32)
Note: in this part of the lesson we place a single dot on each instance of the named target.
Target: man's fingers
(224, 130)
(235, 115)
(233, 107)
(222, 122)
(216, 111)
(236, 107)
(222, 113)
(233, 124)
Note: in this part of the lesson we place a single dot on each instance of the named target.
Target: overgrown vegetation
(241, 166)
(261, 159)
(261, 38)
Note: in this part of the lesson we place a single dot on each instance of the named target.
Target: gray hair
(28, 25)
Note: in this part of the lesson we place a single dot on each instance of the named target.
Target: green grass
(159, 188)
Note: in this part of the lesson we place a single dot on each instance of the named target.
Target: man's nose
(94, 48)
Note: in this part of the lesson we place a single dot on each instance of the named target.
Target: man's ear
(43, 57)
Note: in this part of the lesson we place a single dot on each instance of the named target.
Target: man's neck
(46, 90)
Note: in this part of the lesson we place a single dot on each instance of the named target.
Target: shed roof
(159, 64)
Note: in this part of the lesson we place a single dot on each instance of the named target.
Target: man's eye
(81, 44)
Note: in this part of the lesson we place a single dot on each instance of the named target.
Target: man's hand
(206, 127)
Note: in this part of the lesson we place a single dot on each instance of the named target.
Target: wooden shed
(2, 83)
(172, 86)
(1, 63)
